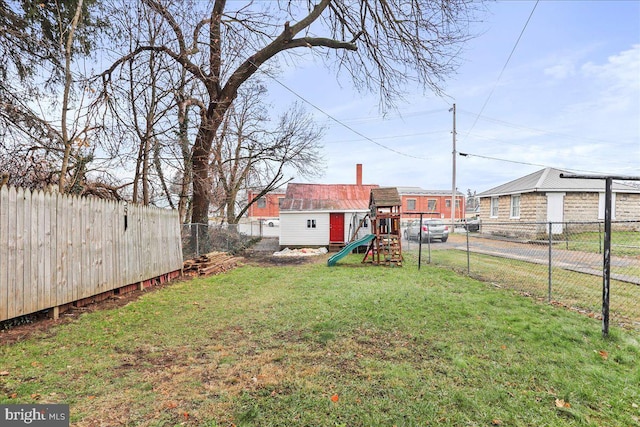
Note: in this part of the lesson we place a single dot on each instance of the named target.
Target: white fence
(56, 249)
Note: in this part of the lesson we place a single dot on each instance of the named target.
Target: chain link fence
(199, 239)
(561, 263)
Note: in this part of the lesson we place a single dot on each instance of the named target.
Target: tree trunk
(68, 78)
(211, 121)
(201, 184)
(145, 171)
(231, 207)
(163, 182)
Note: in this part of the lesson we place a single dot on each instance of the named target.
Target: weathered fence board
(56, 249)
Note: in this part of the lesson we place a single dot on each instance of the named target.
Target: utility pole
(453, 175)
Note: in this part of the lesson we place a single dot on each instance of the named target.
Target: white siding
(351, 221)
(294, 231)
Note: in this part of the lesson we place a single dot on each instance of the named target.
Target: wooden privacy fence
(56, 249)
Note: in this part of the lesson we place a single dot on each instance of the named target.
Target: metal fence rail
(559, 262)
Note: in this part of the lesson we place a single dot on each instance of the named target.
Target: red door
(336, 227)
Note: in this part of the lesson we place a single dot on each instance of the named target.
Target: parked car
(432, 229)
(273, 222)
(472, 225)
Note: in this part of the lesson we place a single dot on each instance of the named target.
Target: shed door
(336, 227)
(555, 211)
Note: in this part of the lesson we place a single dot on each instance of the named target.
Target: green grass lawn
(578, 290)
(623, 243)
(351, 345)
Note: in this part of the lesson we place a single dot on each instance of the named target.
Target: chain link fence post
(468, 252)
(197, 240)
(558, 262)
(550, 265)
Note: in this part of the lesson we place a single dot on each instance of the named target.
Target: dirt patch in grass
(21, 328)
(266, 259)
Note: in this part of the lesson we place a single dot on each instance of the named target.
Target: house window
(515, 206)
(494, 207)
(431, 205)
(447, 203)
(262, 202)
(311, 223)
(411, 204)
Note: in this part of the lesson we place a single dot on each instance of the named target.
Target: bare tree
(41, 95)
(249, 152)
(32, 171)
(381, 44)
(67, 138)
(473, 202)
(142, 107)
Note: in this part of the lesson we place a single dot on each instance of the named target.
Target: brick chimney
(359, 174)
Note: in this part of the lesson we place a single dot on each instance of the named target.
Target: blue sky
(569, 97)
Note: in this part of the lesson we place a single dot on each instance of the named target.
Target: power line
(504, 67)
(341, 123)
(522, 163)
(396, 136)
(542, 131)
(400, 116)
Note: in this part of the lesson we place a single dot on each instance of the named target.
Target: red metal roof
(337, 197)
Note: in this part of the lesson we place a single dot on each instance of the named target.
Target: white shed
(330, 215)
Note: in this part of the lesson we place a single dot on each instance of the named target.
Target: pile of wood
(209, 264)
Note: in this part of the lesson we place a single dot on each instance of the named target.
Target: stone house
(524, 207)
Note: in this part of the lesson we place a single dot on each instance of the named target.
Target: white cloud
(561, 71)
(621, 71)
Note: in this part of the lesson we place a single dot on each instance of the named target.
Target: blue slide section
(347, 249)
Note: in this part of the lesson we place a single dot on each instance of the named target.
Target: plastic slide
(347, 249)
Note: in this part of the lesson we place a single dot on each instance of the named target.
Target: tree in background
(143, 108)
(381, 45)
(473, 202)
(246, 153)
(42, 96)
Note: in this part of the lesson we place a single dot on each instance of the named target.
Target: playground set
(385, 242)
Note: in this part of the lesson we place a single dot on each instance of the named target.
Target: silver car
(432, 229)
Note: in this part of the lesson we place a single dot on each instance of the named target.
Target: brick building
(267, 206)
(435, 203)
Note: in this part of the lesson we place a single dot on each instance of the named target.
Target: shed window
(311, 223)
(515, 206)
(494, 207)
(262, 202)
(411, 204)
